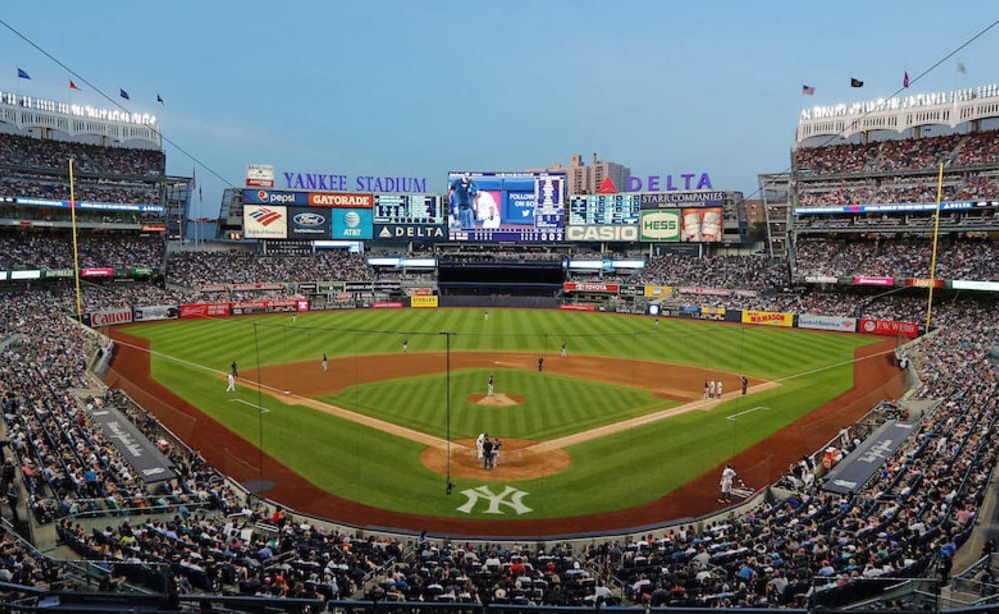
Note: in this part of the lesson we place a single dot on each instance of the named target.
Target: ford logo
(309, 219)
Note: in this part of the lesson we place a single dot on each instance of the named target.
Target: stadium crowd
(956, 258)
(30, 250)
(30, 153)
(194, 269)
(977, 148)
(735, 272)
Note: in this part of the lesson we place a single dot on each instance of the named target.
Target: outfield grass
(613, 472)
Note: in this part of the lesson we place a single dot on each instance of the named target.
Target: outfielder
(563, 352)
(491, 381)
(232, 383)
(405, 345)
(324, 361)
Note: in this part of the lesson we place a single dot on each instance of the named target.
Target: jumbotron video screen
(514, 207)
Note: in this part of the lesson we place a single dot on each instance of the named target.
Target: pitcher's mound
(497, 400)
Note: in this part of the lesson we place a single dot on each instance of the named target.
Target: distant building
(755, 212)
(587, 179)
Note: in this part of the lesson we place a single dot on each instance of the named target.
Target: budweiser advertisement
(204, 310)
(586, 287)
(889, 327)
(96, 272)
(867, 280)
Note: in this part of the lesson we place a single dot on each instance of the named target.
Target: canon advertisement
(110, 317)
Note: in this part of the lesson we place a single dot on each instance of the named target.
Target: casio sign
(625, 233)
(309, 219)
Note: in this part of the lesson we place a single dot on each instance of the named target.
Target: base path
(130, 370)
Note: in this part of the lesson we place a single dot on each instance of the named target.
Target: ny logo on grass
(495, 501)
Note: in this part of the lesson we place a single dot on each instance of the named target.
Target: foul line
(746, 411)
(262, 410)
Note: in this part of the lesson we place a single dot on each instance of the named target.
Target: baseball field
(616, 434)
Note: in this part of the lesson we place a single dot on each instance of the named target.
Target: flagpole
(933, 258)
(76, 253)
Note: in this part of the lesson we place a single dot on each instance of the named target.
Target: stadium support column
(933, 257)
(76, 253)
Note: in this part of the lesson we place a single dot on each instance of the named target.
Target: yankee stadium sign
(360, 183)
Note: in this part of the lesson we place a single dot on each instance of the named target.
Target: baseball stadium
(502, 388)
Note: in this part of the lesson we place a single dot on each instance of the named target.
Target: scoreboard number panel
(424, 209)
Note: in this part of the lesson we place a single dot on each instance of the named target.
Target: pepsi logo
(262, 195)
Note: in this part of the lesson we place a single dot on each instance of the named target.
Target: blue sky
(415, 89)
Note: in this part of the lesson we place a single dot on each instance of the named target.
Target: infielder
(719, 389)
(711, 389)
(324, 361)
(563, 352)
(232, 383)
(491, 381)
(405, 345)
(706, 393)
(728, 474)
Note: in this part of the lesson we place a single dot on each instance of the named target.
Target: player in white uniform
(711, 389)
(491, 381)
(719, 389)
(405, 345)
(563, 352)
(728, 475)
(232, 383)
(325, 364)
(478, 443)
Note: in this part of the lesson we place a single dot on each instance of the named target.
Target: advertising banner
(147, 461)
(704, 291)
(675, 199)
(308, 223)
(713, 313)
(817, 322)
(275, 197)
(156, 312)
(576, 307)
(423, 301)
(204, 310)
(58, 273)
(965, 284)
(386, 305)
(353, 224)
(239, 287)
(917, 282)
(626, 233)
(341, 200)
(889, 327)
(657, 291)
(110, 317)
(245, 307)
(660, 225)
(420, 291)
(701, 225)
(154, 228)
(820, 279)
(260, 175)
(859, 466)
(96, 272)
(410, 232)
(767, 318)
(214, 288)
(867, 280)
(260, 222)
(590, 287)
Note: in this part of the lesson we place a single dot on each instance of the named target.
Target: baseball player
(232, 383)
(711, 389)
(657, 321)
(719, 389)
(491, 381)
(235, 372)
(745, 385)
(479, 441)
(405, 345)
(324, 361)
(541, 364)
(706, 389)
(487, 315)
(562, 351)
(728, 475)
(462, 193)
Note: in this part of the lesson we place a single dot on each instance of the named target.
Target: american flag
(808, 90)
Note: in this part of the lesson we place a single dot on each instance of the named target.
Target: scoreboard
(505, 206)
(604, 209)
(425, 209)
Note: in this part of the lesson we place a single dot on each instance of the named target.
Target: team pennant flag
(960, 67)
(905, 79)
(159, 99)
(73, 86)
(123, 94)
(856, 82)
(22, 75)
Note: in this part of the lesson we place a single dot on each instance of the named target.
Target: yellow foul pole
(76, 254)
(933, 258)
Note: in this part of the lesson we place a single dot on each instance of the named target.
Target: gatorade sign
(660, 225)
